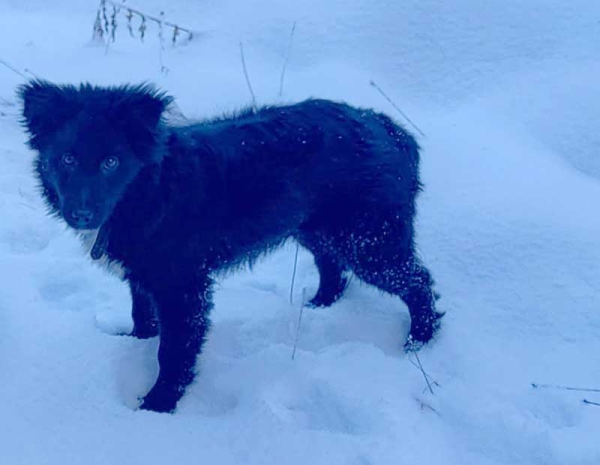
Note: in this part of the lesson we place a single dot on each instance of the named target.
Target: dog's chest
(88, 238)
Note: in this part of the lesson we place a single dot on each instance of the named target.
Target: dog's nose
(82, 217)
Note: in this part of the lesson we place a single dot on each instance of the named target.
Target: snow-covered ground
(507, 93)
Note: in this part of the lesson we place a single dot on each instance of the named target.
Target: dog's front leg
(183, 307)
(143, 311)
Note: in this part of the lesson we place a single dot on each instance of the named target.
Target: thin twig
(28, 71)
(414, 364)
(427, 406)
(287, 59)
(423, 372)
(247, 78)
(404, 115)
(23, 204)
(294, 275)
(151, 18)
(106, 47)
(13, 69)
(161, 40)
(563, 388)
(299, 323)
(589, 402)
(433, 381)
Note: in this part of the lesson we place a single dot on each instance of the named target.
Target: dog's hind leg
(412, 282)
(183, 305)
(386, 259)
(332, 282)
(417, 293)
(143, 312)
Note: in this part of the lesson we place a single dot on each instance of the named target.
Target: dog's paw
(422, 332)
(159, 400)
(412, 345)
(318, 303)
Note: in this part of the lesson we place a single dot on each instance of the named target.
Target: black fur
(184, 203)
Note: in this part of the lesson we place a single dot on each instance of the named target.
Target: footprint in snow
(60, 288)
(318, 407)
(263, 286)
(26, 241)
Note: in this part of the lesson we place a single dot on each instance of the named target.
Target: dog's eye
(68, 159)
(110, 163)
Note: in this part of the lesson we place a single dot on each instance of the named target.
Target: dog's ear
(141, 106)
(138, 110)
(45, 108)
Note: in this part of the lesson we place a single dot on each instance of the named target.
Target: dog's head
(91, 143)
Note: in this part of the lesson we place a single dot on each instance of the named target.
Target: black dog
(176, 205)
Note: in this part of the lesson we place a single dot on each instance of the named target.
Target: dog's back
(281, 166)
